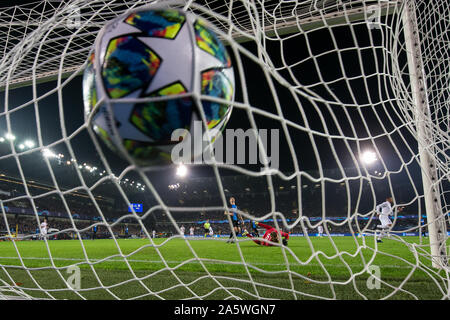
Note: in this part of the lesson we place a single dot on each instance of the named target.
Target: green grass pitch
(321, 268)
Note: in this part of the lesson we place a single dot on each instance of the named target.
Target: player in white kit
(211, 232)
(384, 210)
(191, 231)
(182, 230)
(320, 231)
(44, 228)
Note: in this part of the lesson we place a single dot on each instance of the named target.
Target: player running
(384, 210)
(320, 231)
(182, 230)
(191, 231)
(44, 228)
(271, 235)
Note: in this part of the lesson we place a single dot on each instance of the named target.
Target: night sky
(367, 120)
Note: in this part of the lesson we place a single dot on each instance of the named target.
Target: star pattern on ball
(173, 52)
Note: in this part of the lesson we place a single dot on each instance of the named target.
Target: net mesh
(333, 77)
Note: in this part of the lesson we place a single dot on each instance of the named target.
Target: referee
(206, 227)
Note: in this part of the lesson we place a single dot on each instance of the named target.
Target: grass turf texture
(214, 269)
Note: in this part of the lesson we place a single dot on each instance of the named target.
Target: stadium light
(21, 146)
(29, 143)
(48, 153)
(181, 170)
(10, 136)
(2, 139)
(369, 157)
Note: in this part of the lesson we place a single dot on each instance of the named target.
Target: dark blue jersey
(235, 217)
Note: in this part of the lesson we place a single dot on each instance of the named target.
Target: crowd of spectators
(253, 196)
(65, 229)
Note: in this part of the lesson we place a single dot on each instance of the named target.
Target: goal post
(432, 194)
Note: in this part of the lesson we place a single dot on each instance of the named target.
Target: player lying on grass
(271, 235)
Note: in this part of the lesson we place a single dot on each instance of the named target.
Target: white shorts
(43, 232)
(385, 221)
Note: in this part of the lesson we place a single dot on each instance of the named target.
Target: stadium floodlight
(181, 170)
(48, 153)
(10, 136)
(29, 143)
(2, 139)
(21, 146)
(369, 157)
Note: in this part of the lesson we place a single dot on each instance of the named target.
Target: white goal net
(355, 94)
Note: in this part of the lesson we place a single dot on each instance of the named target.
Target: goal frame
(436, 224)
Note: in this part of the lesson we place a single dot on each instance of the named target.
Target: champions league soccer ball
(160, 57)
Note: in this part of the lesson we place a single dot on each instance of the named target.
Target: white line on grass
(204, 261)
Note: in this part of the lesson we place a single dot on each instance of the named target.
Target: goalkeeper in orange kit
(271, 235)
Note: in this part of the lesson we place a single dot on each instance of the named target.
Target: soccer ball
(143, 77)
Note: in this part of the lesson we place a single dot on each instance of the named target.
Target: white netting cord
(14, 66)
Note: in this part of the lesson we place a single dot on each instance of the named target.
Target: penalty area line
(198, 261)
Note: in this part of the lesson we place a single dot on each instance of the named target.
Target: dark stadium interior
(192, 200)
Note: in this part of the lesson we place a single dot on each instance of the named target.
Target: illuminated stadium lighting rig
(49, 154)
(10, 136)
(29, 144)
(182, 170)
(369, 157)
(23, 145)
(174, 186)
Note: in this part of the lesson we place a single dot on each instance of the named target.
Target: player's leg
(236, 232)
(249, 235)
(231, 238)
(385, 227)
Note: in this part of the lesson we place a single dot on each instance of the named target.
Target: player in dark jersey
(235, 219)
(254, 230)
(271, 235)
